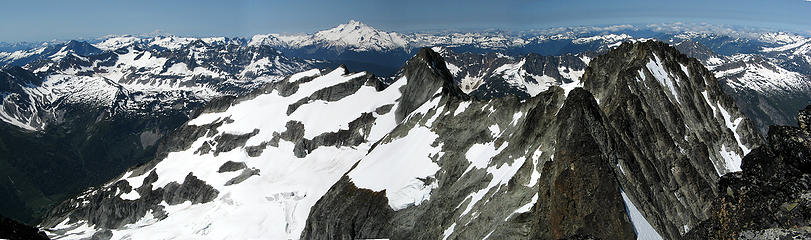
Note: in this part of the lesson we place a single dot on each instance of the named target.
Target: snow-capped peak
(353, 35)
(171, 42)
(114, 43)
(360, 36)
(265, 39)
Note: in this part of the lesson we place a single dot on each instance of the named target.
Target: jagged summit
(427, 56)
(427, 75)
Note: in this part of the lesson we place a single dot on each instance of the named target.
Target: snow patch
(411, 156)
(658, 71)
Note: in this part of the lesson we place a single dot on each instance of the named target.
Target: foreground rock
(771, 197)
(12, 230)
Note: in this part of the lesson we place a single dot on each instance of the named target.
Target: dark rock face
(771, 197)
(366, 216)
(567, 207)
(579, 194)
(104, 208)
(244, 175)
(192, 189)
(668, 137)
(337, 92)
(12, 230)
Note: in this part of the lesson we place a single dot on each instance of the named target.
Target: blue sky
(33, 20)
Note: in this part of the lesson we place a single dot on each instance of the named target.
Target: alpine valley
(621, 132)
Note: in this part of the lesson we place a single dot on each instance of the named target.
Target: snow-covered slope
(280, 172)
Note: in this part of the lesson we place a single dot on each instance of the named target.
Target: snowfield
(287, 186)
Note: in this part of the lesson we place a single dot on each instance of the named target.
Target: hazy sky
(32, 20)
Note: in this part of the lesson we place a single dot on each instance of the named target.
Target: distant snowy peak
(139, 76)
(114, 43)
(354, 35)
(266, 39)
(361, 37)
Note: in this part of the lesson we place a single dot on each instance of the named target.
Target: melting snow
(480, 157)
(494, 130)
(308, 73)
(447, 233)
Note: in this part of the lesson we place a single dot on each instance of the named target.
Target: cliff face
(680, 131)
